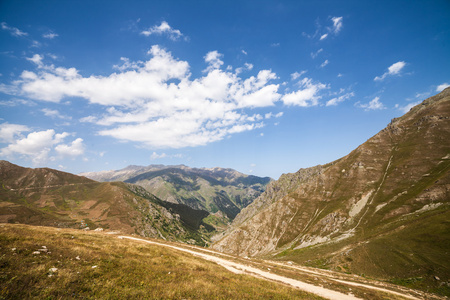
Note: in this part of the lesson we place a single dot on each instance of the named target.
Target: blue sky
(264, 87)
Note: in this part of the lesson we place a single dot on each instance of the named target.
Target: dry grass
(95, 265)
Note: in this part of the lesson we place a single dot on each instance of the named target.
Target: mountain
(53, 198)
(222, 192)
(382, 210)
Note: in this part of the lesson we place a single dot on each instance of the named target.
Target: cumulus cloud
(307, 95)
(335, 101)
(9, 132)
(36, 59)
(38, 145)
(442, 87)
(213, 58)
(74, 149)
(394, 69)
(375, 104)
(164, 28)
(13, 30)
(157, 102)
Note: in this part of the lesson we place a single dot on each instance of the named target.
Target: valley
(371, 225)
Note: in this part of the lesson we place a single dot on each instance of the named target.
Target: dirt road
(241, 268)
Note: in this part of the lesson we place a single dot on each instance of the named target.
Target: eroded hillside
(49, 197)
(382, 210)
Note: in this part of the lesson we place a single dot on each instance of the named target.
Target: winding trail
(239, 268)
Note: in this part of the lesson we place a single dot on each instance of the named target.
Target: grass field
(75, 264)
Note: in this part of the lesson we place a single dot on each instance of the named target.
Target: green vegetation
(87, 265)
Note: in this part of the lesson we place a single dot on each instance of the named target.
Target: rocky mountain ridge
(222, 192)
(382, 210)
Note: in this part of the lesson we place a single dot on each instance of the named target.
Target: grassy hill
(53, 198)
(92, 265)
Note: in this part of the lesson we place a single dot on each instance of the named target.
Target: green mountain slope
(222, 192)
(382, 211)
(53, 198)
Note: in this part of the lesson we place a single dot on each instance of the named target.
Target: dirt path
(241, 268)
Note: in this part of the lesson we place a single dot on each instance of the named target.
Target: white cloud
(155, 156)
(270, 115)
(442, 87)
(246, 67)
(144, 107)
(38, 145)
(375, 104)
(326, 62)
(394, 69)
(297, 75)
(50, 35)
(53, 113)
(244, 52)
(128, 65)
(13, 30)
(337, 24)
(330, 30)
(214, 61)
(306, 96)
(164, 28)
(407, 107)
(159, 104)
(16, 102)
(37, 59)
(315, 54)
(76, 148)
(9, 132)
(335, 101)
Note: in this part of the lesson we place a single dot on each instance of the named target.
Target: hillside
(222, 192)
(53, 198)
(382, 211)
(54, 263)
(90, 265)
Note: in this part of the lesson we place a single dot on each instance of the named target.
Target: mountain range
(221, 192)
(382, 210)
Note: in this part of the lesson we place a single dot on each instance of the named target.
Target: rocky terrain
(49, 197)
(222, 192)
(382, 210)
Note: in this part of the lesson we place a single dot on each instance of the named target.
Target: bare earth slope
(383, 210)
(53, 198)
